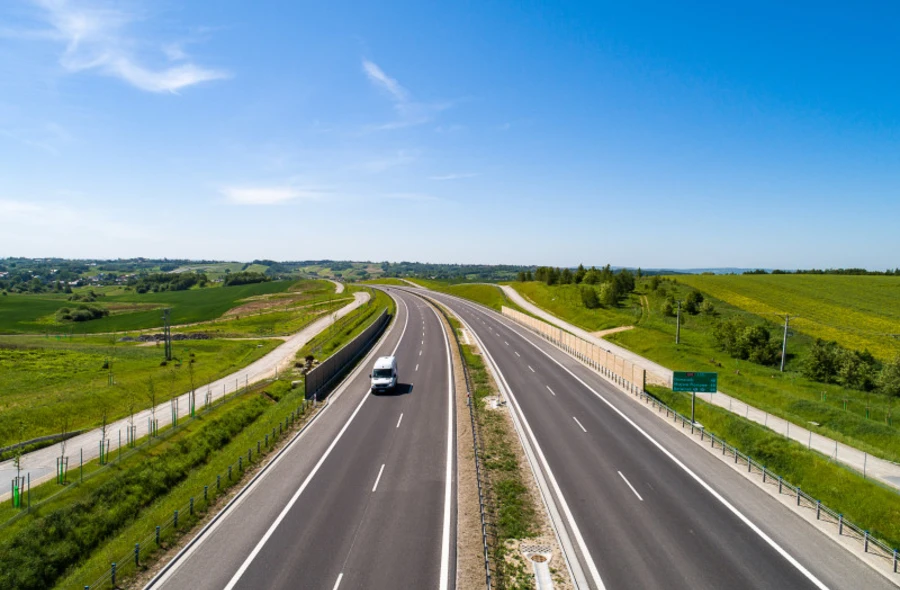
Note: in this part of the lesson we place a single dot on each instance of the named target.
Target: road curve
(639, 504)
(361, 499)
(41, 464)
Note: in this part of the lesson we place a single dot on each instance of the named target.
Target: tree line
(611, 286)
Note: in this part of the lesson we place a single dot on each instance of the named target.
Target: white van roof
(385, 362)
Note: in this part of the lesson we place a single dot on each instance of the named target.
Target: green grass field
(841, 413)
(856, 311)
(20, 314)
(47, 380)
(385, 281)
(564, 301)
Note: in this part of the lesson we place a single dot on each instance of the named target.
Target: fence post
(865, 541)
(780, 482)
(192, 506)
(206, 494)
(818, 508)
(218, 482)
(137, 555)
(895, 561)
(113, 580)
(840, 524)
(764, 474)
(157, 535)
(175, 521)
(798, 495)
(241, 463)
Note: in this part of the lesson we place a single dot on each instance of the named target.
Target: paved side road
(873, 467)
(638, 504)
(363, 498)
(41, 464)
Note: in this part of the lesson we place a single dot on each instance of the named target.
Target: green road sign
(695, 381)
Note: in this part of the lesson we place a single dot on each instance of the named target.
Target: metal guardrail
(477, 451)
(845, 528)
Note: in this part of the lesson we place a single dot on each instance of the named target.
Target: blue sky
(643, 134)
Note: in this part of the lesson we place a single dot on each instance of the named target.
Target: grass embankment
(488, 295)
(858, 312)
(789, 395)
(564, 301)
(511, 506)
(71, 540)
(344, 330)
(867, 504)
(47, 381)
(131, 311)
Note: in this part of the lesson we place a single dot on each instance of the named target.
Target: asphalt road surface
(364, 498)
(639, 504)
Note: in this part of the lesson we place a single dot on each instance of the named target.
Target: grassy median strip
(511, 506)
(868, 504)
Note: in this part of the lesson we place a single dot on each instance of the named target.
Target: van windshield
(381, 373)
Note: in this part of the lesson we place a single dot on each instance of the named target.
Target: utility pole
(167, 334)
(787, 319)
(678, 324)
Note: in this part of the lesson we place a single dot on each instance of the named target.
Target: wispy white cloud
(266, 195)
(453, 176)
(97, 38)
(379, 78)
(409, 112)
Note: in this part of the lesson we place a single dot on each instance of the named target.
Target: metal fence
(182, 519)
(844, 527)
(324, 377)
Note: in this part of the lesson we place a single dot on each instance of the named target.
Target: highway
(636, 503)
(365, 497)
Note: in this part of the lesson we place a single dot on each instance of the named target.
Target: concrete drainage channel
(539, 555)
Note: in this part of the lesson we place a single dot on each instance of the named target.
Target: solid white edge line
(551, 391)
(579, 423)
(740, 515)
(338, 583)
(400, 420)
(284, 512)
(630, 486)
(448, 487)
(524, 431)
(380, 471)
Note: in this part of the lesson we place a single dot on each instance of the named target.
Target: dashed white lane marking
(506, 343)
(417, 367)
(517, 353)
(377, 479)
(579, 423)
(400, 420)
(420, 353)
(631, 486)
(338, 583)
(532, 370)
(551, 391)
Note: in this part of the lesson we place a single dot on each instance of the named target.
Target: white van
(384, 374)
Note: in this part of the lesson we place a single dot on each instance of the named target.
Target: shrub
(589, 298)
